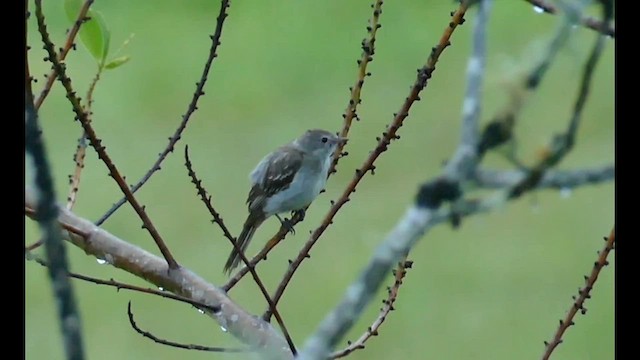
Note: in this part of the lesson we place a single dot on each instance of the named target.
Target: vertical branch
(423, 75)
(96, 143)
(47, 216)
(583, 295)
(68, 45)
(368, 50)
(193, 106)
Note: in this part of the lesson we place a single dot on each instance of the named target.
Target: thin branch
(55, 252)
(368, 50)
(553, 179)
(392, 294)
(206, 199)
(175, 344)
(68, 45)
(562, 144)
(119, 286)
(500, 129)
(586, 21)
(583, 295)
(360, 293)
(193, 106)
(96, 143)
(423, 75)
(249, 329)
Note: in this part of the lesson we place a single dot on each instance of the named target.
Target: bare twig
(96, 143)
(68, 45)
(193, 106)
(28, 79)
(119, 285)
(555, 179)
(423, 75)
(586, 21)
(206, 199)
(251, 330)
(583, 295)
(55, 252)
(360, 293)
(175, 344)
(398, 274)
(368, 50)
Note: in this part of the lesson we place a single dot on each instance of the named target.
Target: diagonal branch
(206, 199)
(68, 45)
(368, 50)
(423, 75)
(68, 313)
(96, 143)
(583, 295)
(175, 344)
(398, 274)
(193, 106)
(95, 241)
(119, 285)
(586, 21)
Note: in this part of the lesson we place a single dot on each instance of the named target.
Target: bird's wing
(273, 174)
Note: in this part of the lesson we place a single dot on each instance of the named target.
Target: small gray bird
(288, 179)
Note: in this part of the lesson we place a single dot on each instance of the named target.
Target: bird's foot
(287, 224)
(300, 213)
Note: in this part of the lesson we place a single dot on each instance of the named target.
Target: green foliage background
(494, 289)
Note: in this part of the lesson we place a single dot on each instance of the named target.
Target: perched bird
(287, 179)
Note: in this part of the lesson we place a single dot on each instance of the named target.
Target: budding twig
(95, 142)
(583, 295)
(193, 106)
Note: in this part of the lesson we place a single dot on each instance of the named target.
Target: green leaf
(94, 33)
(114, 63)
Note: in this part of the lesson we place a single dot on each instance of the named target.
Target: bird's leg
(287, 224)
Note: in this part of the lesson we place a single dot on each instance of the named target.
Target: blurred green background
(493, 289)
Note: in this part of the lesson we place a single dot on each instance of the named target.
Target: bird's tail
(250, 226)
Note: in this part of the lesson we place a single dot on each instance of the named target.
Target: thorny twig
(583, 295)
(206, 199)
(392, 294)
(368, 50)
(193, 106)
(423, 75)
(68, 45)
(175, 344)
(95, 142)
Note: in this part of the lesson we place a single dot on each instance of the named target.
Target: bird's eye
(325, 139)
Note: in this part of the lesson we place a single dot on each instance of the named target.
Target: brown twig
(368, 50)
(206, 199)
(96, 143)
(173, 140)
(118, 285)
(583, 295)
(586, 21)
(392, 294)
(424, 74)
(175, 344)
(68, 45)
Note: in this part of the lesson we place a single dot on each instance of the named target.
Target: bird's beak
(342, 140)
